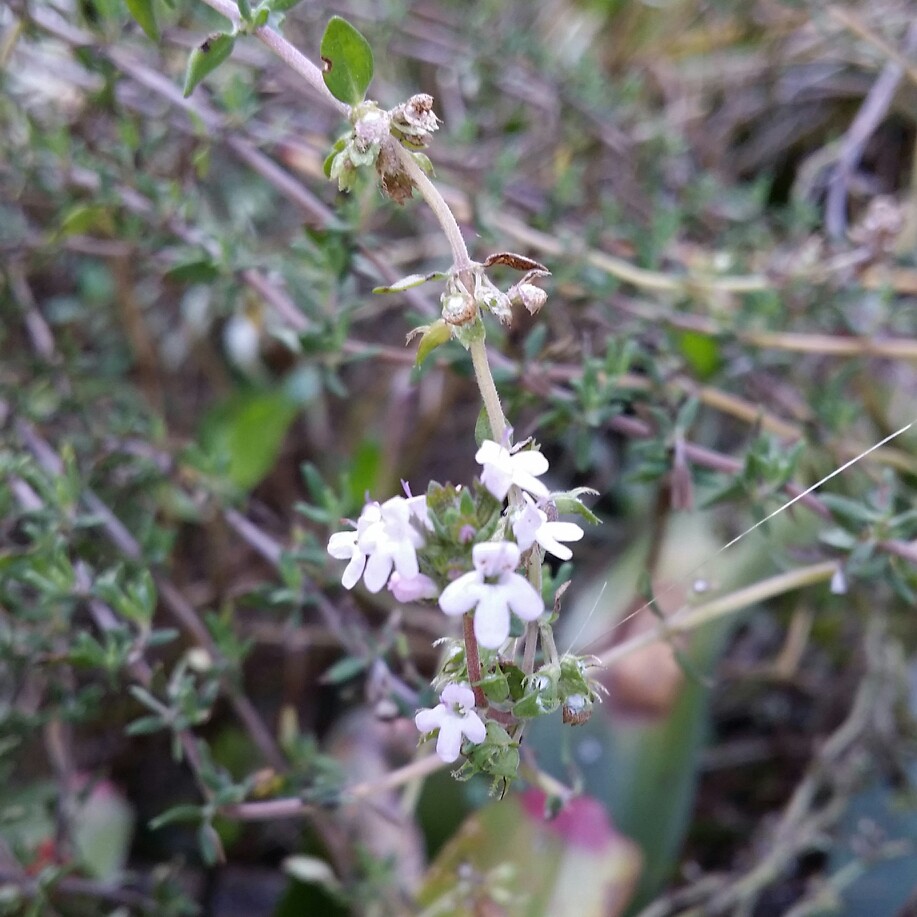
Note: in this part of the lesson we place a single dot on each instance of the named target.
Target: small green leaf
(329, 159)
(206, 57)
(247, 432)
(245, 9)
(343, 670)
(86, 218)
(434, 336)
(180, 813)
(424, 162)
(409, 282)
(482, 428)
(201, 270)
(701, 352)
(210, 845)
(142, 11)
(570, 502)
(348, 61)
(281, 6)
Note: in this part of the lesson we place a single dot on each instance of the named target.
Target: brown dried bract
(518, 262)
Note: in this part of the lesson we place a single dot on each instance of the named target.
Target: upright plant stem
(473, 660)
(489, 396)
(461, 261)
(289, 54)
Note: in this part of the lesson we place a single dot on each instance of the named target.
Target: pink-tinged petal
(491, 619)
(474, 729)
(449, 743)
(430, 719)
(521, 596)
(378, 568)
(354, 571)
(412, 589)
(462, 594)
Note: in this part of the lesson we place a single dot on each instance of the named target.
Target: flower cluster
(474, 552)
(370, 142)
(387, 537)
(454, 717)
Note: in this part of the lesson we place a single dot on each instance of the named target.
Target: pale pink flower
(455, 718)
(531, 525)
(503, 468)
(492, 589)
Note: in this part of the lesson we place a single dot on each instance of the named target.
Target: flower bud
(415, 119)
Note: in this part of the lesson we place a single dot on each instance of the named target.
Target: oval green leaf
(142, 11)
(347, 61)
(205, 58)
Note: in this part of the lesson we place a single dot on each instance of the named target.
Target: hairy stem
(489, 396)
(430, 193)
(286, 52)
(473, 660)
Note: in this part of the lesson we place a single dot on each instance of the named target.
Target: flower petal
(530, 461)
(430, 719)
(413, 588)
(491, 618)
(492, 558)
(449, 743)
(474, 728)
(354, 570)
(378, 568)
(342, 545)
(551, 534)
(521, 596)
(405, 558)
(459, 695)
(462, 594)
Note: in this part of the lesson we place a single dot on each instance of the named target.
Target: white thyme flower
(531, 525)
(387, 537)
(492, 589)
(503, 468)
(454, 717)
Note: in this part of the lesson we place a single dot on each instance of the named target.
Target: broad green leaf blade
(206, 57)
(247, 432)
(348, 61)
(142, 11)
